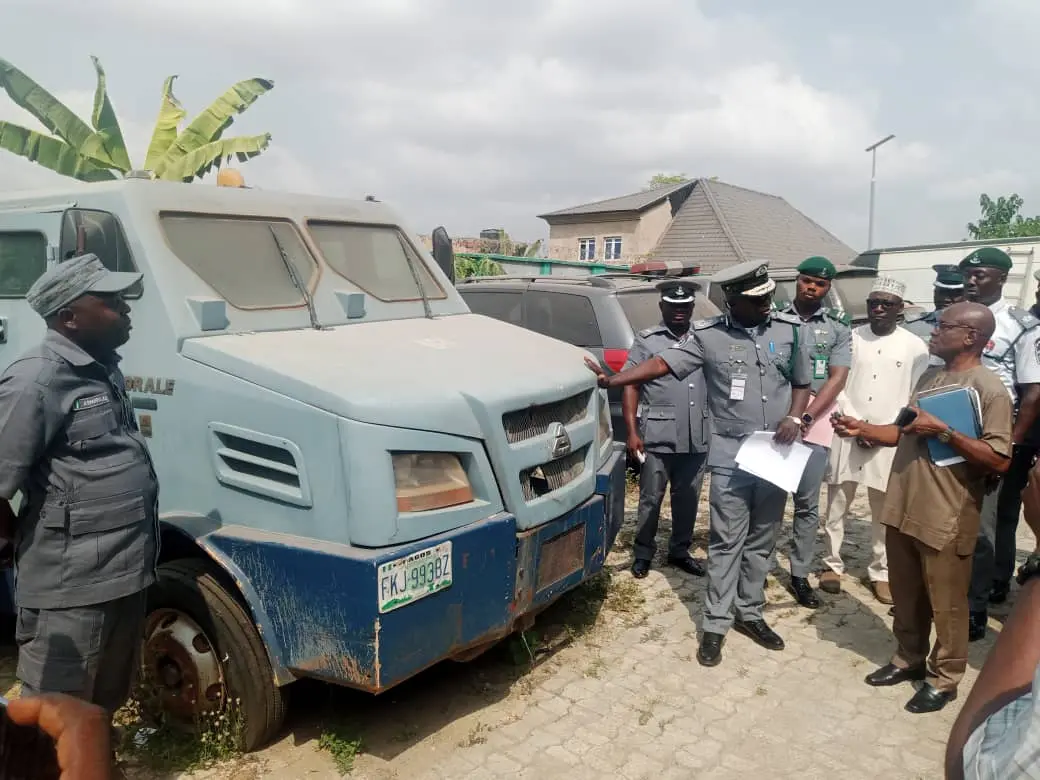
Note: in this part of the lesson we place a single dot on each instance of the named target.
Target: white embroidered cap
(886, 284)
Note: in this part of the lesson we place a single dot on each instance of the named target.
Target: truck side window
(241, 257)
(97, 232)
(562, 316)
(505, 306)
(23, 258)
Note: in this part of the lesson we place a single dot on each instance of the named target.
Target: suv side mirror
(443, 253)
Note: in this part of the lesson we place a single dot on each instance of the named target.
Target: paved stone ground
(614, 691)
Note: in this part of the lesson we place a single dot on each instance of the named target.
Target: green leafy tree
(97, 151)
(664, 180)
(1001, 219)
(476, 266)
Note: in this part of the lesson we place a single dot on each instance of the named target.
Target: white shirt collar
(1000, 306)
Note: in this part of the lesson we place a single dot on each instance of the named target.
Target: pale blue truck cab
(358, 477)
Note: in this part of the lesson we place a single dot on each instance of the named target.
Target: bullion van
(358, 476)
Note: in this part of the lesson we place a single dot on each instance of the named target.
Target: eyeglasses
(883, 303)
(945, 326)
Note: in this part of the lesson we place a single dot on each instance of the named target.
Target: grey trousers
(88, 652)
(806, 522)
(746, 513)
(982, 564)
(685, 474)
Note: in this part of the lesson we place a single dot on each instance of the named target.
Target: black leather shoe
(890, 674)
(929, 699)
(760, 633)
(999, 593)
(710, 651)
(689, 564)
(640, 568)
(804, 593)
(976, 626)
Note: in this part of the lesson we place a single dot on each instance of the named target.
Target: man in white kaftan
(887, 361)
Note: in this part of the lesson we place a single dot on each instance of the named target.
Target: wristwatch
(807, 419)
(946, 435)
(1029, 569)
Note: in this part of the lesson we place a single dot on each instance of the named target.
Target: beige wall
(638, 235)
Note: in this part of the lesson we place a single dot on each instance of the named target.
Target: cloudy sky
(475, 113)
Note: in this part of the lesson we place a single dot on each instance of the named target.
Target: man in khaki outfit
(932, 513)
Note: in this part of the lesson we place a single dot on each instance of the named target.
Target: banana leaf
(210, 125)
(52, 153)
(107, 142)
(171, 112)
(51, 112)
(203, 159)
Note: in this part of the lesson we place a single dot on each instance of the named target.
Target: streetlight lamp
(873, 174)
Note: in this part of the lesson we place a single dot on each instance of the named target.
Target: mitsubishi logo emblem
(560, 442)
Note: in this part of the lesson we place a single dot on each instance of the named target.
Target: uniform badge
(90, 402)
(990, 345)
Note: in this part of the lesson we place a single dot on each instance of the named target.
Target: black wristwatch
(807, 419)
(1029, 569)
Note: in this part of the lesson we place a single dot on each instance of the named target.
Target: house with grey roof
(704, 221)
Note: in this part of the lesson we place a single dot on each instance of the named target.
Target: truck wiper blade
(409, 258)
(297, 282)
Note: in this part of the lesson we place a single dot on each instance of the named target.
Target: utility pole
(873, 176)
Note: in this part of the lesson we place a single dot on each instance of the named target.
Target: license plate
(415, 576)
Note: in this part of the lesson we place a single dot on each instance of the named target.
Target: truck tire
(202, 651)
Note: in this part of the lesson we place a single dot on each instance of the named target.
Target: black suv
(601, 313)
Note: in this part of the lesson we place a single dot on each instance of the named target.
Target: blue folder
(960, 409)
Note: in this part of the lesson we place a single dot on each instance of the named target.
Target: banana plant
(97, 152)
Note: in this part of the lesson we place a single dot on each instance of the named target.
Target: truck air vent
(259, 463)
(533, 421)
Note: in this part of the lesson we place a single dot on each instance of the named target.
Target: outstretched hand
(925, 424)
(79, 729)
(847, 427)
(597, 369)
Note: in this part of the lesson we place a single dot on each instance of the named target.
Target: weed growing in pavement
(477, 736)
(340, 741)
(158, 741)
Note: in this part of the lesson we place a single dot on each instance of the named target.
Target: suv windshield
(642, 307)
(375, 258)
(239, 257)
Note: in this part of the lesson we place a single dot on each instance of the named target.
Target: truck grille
(524, 424)
(542, 480)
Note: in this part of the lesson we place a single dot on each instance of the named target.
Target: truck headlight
(429, 480)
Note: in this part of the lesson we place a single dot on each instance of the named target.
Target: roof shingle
(637, 201)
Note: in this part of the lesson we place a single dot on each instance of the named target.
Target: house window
(612, 248)
(586, 249)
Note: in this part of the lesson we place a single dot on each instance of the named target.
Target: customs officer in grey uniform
(86, 534)
(758, 375)
(828, 337)
(671, 435)
(948, 288)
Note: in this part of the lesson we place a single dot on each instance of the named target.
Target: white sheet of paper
(781, 465)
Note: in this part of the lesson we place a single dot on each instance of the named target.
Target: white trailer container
(912, 265)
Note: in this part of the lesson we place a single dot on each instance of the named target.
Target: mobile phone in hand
(26, 752)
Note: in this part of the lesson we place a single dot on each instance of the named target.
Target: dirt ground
(440, 723)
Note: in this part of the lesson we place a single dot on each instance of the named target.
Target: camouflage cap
(61, 285)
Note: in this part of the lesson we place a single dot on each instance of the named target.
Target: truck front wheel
(203, 655)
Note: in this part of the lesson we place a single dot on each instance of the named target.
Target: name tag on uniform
(736, 388)
(819, 370)
(90, 402)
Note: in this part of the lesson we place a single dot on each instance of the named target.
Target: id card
(736, 388)
(819, 370)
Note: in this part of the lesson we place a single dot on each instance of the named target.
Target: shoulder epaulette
(651, 331)
(842, 317)
(1023, 317)
(711, 321)
(784, 316)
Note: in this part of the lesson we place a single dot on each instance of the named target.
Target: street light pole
(873, 175)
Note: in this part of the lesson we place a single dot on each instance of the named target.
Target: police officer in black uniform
(668, 430)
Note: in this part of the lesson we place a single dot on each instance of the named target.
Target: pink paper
(821, 431)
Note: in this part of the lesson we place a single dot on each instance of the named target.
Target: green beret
(820, 267)
(987, 257)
